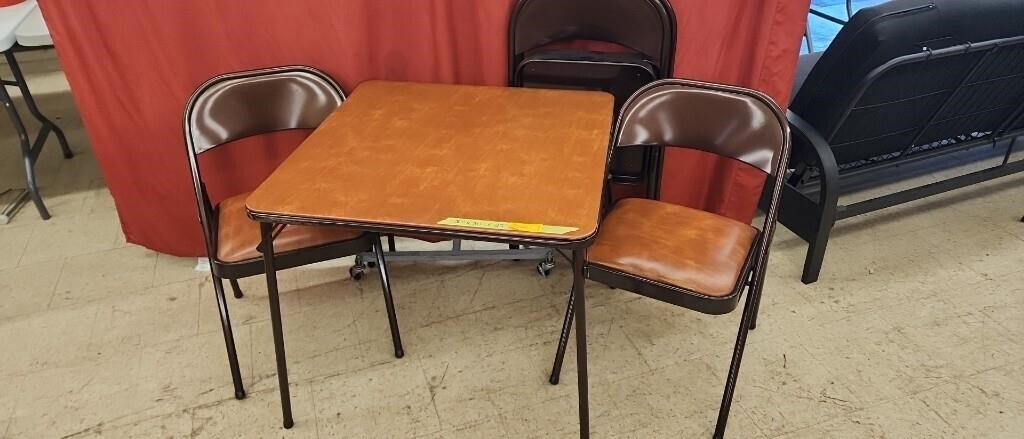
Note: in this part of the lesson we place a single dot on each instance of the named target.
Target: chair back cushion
(729, 121)
(913, 72)
(238, 105)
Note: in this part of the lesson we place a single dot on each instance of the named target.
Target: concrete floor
(913, 332)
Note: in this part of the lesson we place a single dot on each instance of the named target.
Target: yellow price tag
(523, 227)
(504, 225)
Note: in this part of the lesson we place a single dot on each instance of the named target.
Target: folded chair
(582, 44)
(238, 105)
(683, 256)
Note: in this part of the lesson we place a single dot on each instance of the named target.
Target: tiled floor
(913, 331)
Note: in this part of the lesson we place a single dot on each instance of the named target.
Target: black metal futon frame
(904, 81)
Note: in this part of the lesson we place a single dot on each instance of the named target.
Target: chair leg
(816, 253)
(229, 338)
(563, 340)
(737, 357)
(582, 383)
(389, 301)
(753, 318)
(826, 210)
(236, 289)
(759, 286)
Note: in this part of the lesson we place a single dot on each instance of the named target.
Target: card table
(510, 165)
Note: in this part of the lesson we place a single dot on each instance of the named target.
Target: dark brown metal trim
(392, 229)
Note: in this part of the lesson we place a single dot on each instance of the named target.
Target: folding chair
(683, 256)
(238, 105)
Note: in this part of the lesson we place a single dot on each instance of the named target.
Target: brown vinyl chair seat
(238, 236)
(677, 246)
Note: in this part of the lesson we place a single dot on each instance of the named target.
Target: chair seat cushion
(674, 245)
(238, 236)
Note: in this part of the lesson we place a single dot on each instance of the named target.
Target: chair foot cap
(239, 394)
(288, 424)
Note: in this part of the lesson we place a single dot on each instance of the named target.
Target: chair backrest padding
(911, 72)
(243, 104)
(239, 105)
(728, 121)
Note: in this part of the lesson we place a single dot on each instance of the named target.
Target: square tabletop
(490, 162)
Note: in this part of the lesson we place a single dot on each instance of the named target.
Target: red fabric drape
(133, 63)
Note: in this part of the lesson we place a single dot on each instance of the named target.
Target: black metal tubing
(236, 289)
(1009, 151)
(563, 339)
(579, 257)
(266, 231)
(401, 230)
(813, 220)
(827, 17)
(30, 149)
(949, 99)
(1016, 115)
(292, 259)
(382, 269)
(747, 319)
(930, 189)
(913, 158)
(26, 153)
(229, 338)
(815, 227)
(30, 102)
(881, 70)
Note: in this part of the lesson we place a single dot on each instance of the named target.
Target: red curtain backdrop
(133, 63)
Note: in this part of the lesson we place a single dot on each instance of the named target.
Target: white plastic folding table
(22, 26)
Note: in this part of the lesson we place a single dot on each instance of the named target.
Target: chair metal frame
(208, 215)
(752, 276)
(811, 203)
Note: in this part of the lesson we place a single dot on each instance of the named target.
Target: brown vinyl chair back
(738, 123)
(243, 104)
(733, 122)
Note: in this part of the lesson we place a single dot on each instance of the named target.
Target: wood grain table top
(402, 157)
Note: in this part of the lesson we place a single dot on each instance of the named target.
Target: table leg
(579, 299)
(389, 301)
(267, 230)
(30, 102)
(29, 153)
